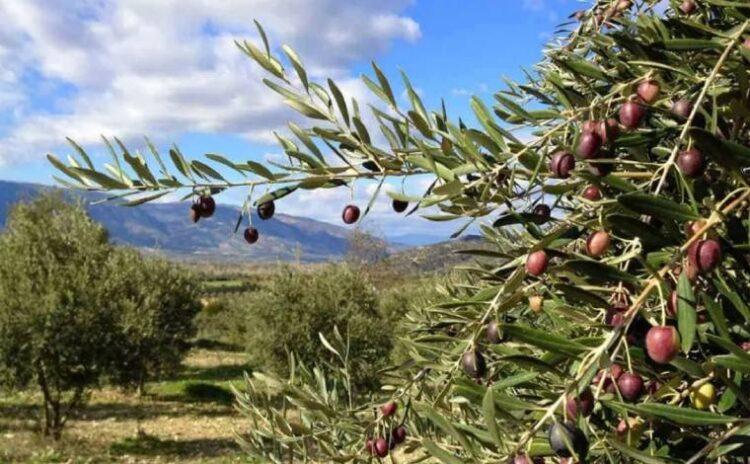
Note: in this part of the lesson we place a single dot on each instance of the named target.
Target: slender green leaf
(686, 316)
(658, 207)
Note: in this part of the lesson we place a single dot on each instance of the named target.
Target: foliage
(317, 427)
(75, 309)
(223, 319)
(296, 307)
(155, 303)
(677, 80)
(55, 322)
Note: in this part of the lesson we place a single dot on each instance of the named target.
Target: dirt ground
(186, 419)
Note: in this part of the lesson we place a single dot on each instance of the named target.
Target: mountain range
(165, 228)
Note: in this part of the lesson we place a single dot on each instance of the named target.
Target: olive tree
(613, 327)
(299, 307)
(155, 303)
(56, 327)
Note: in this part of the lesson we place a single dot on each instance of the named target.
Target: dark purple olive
(591, 125)
(473, 364)
(630, 386)
(631, 115)
(608, 130)
(589, 144)
(600, 169)
(350, 215)
(381, 447)
(206, 206)
(682, 108)
(541, 213)
(195, 212)
(583, 404)
(691, 163)
(705, 255)
(561, 164)
(566, 438)
(662, 344)
(266, 210)
(251, 235)
(399, 434)
(388, 409)
(400, 206)
(592, 193)
(493, 333)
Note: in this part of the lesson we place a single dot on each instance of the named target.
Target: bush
(56, 323)
(298, 305)
(155, 303)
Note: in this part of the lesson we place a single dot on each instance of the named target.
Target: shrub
(298, 305)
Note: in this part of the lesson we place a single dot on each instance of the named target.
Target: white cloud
(168, 67)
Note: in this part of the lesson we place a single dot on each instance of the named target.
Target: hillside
(165, 228)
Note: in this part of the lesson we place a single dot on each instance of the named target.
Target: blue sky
(168, 69)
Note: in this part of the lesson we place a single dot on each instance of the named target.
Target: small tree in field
(56, 328)
(614, 327)
(297, 306)
(156, 304)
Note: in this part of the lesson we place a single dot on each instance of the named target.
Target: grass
(189, 418)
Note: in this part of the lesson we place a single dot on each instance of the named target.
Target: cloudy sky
(168, 69)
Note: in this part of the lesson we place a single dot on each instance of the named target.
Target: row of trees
(76, 311)
(613, 326)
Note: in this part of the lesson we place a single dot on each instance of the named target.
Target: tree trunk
(141, 384)
(46, 401)
(56, 420)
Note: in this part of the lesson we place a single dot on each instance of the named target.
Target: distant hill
(436, 257)
(165, 228)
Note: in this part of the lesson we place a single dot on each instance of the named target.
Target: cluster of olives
(202, 207)
(205, 206)
(662, 345)
(662, 342)
(381, 446)
(597, 136)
